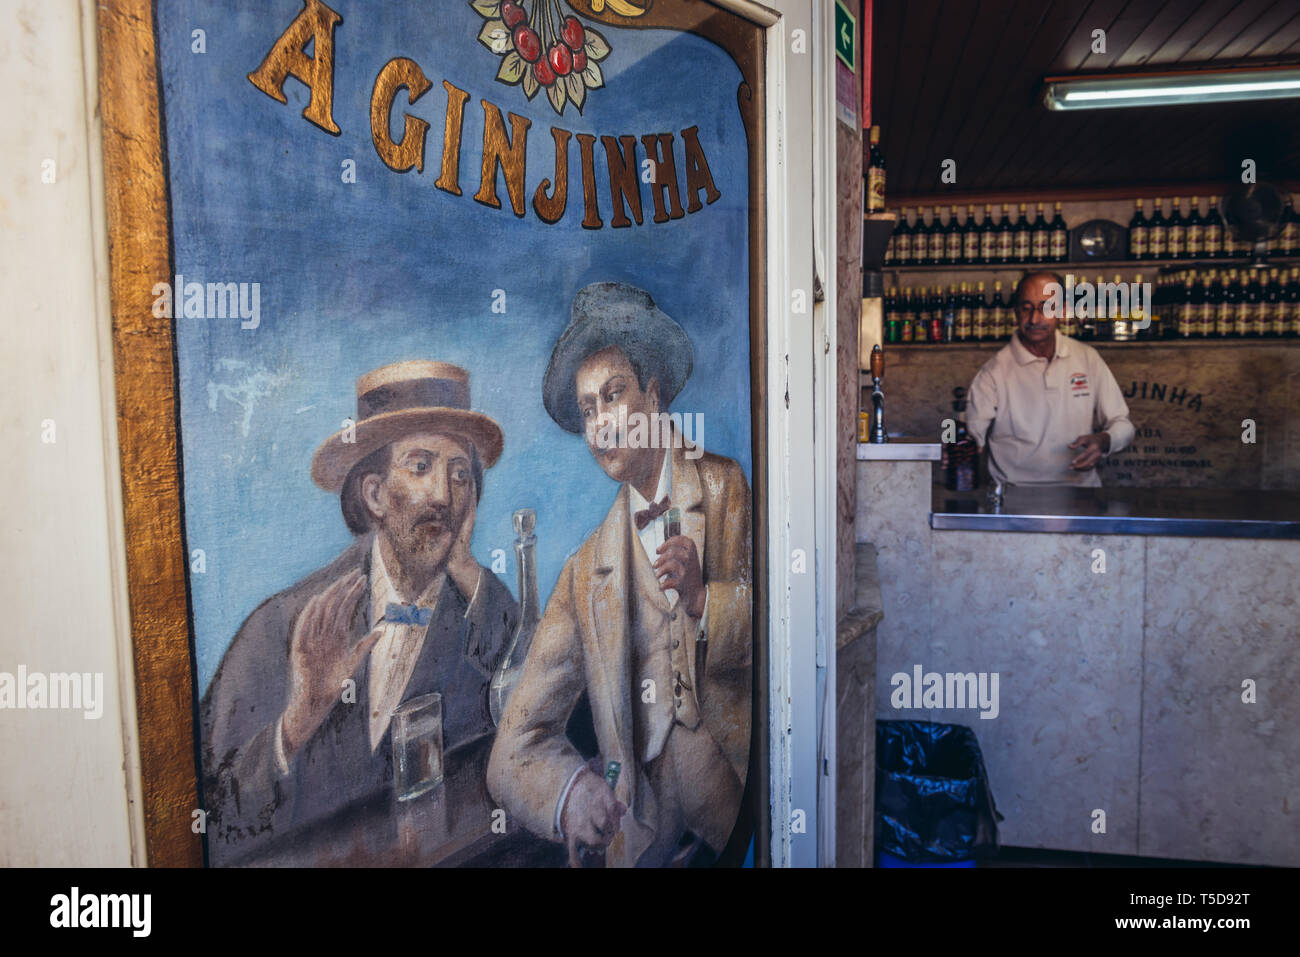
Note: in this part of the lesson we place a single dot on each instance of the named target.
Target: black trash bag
(933, 801)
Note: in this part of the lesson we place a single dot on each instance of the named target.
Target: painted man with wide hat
(297, 724)
(651, 621)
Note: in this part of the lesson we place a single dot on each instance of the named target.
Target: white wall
(63, 788)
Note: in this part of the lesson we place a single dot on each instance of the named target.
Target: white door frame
(801, 388)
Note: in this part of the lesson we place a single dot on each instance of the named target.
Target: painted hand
(591, 814)
(462, 567)
(678, 567)
(321, 659)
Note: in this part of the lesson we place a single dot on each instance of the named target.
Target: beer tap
(878, 435)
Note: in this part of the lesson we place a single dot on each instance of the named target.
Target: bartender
(1046, 406)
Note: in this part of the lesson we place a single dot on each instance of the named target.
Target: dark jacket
(251, 807)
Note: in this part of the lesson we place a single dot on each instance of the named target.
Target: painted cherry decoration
(561, 59)
(527, 42)
(579, 61)
(573, 34)
(513, 14)
(543, 73)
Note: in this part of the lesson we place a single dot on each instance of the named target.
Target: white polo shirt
(1032, 409)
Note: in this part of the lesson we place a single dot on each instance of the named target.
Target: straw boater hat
(615, 314)
(397, 400)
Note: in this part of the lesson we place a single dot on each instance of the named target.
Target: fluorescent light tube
(1224, 86)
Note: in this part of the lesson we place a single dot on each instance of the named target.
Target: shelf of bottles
(1203, 285)
(1189, 303)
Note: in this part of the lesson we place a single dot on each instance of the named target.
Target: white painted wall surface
(63, 787)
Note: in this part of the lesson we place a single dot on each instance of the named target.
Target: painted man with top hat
(651, 616)
(298, 722)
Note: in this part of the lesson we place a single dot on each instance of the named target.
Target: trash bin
(934, 806)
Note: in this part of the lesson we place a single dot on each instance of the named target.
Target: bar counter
(1146, 642)
(1195, 512)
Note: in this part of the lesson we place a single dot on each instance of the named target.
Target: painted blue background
(354, 276)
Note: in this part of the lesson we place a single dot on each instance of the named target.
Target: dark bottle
(1206, 306)
(948, 331)
(961, 456)
(1006, 238)
(875, 174)
(1059, 244)
(1240, 304)
(1215, 244)
(965, 314)
(1291, 302)
(988, 237)
(970, 238)
(907, 318)
(952, 239)
(1195, 243)
(938, 240)
(902, 241)
(1157, 234)
(1225, 313)
(1199, 309)
(1256, 310)
(980, 314)
(1188, 309)
(1289, 238)
(1275, 317)
(1022, 240)
(1177, 232)
(1138, 234)
(1040, 240)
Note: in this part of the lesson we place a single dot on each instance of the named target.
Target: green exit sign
(846, 36)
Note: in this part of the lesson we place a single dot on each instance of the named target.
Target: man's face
(606, 383)
(424, 499)
(1035, 326)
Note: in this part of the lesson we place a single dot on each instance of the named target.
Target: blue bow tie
(396, 614)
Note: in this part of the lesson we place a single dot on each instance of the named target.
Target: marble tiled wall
(1220, 777)
(1118, 691)
(889, 519)
(1066, 644)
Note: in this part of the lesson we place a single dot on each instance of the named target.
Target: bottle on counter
(875, 174)
(1138, 237)
(948, 331)
(1157, 233)
(970, 238)
(960, 458)
(1059, 240)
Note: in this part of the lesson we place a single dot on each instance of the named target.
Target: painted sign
(462, 310)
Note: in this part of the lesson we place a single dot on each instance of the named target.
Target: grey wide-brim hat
(615, 314)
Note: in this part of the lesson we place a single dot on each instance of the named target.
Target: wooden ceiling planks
(962, 80)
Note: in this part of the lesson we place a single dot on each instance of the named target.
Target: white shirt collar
(664, 488)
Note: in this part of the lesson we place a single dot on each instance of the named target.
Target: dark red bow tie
(648, 515)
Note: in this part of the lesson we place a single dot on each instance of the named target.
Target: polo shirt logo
(1078, 381)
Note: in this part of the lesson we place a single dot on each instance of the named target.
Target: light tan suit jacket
(584, 643)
